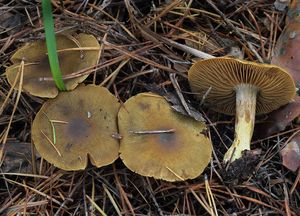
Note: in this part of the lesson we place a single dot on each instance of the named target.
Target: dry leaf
(286, 54)
(279, 119)
(291, 154)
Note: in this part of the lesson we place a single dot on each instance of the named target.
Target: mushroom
(75, 125)
(37, 65)
(243, 88)
(159, 142)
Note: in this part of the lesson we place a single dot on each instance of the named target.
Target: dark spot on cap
(44, 61)
(80, 102)
(65, 110)
(144, 106)
(78, 128)
(167, 140)
(68, 146)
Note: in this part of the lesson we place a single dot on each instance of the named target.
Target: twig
(151, 192)
(153, 131)
(235, 30)
(210, 197)
(67, 199)
(20, 74)
(156, 37)
(96, 206)
(52, 144)
(84, 195)
(179, 94)
(286, 200)
(205, 95)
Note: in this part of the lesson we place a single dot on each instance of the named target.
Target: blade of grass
(51, 44)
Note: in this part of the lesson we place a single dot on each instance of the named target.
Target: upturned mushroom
(78, 125)
(159, 142)
(243, 88)
(75, 53)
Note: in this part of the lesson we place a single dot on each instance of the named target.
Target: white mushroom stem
(244, 121)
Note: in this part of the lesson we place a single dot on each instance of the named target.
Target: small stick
(94, 204)
(297, 180)
(72, 38)
(20, 85)
(153, 131)
(210, 197)
(286, 201)
(49, 140)
(236, 31)
(160, 39)
(59, 121)
(152, 195)
(179, 94)
(53, 129)
(228, 163)
(205, 95)
(178, 176)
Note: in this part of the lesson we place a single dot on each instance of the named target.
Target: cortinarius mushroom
(37, 65)
(159, 142)
(75, 125)
(243, 88)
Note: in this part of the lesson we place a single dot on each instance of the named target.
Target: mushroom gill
(243, 88)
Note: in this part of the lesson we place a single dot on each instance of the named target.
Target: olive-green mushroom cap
(217, 78)
(178, 155)
(84, 121)
(37, 65)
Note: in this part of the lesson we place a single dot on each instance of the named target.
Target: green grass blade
(51, 44)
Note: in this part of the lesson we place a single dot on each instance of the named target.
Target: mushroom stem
(244, 121)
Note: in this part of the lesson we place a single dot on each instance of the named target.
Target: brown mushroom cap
(88, 118)
(275, 86)
(172, 156)
(37, 64)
